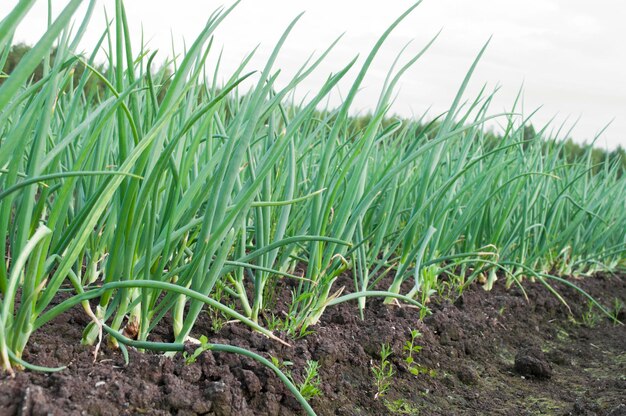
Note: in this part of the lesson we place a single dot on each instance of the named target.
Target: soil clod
(531, 362)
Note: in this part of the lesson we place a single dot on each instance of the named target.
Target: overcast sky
(569, 55)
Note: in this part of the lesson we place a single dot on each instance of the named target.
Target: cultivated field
(286, 256)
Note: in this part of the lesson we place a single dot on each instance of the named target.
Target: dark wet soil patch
(486, 353)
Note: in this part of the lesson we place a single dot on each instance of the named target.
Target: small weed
(401, 407)
(590, 317)
(615, 310)
(383, 372)
(562, 335)
(411, 348)
(217, 323)
(274, 323)
(276, 361)
(204, 345)
(218, 319)
(294, 327)
(282, 365)
(270, 293)
(309, 387)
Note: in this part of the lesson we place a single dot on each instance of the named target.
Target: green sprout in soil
(562, 335)
(590, 317)
(274, 323)
(410, 347)
(616, 309)
(383, 372)
(191, 358)
(219, 319)
(401, 407)
(309, 387)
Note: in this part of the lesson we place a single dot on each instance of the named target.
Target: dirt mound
(463, 362)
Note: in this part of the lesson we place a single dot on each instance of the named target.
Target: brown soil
(488, 353)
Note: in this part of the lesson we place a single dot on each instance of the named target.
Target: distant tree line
(94, 85)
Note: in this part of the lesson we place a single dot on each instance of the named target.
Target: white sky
(568, 54)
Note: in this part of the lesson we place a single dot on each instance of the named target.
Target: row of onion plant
(171, 186)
